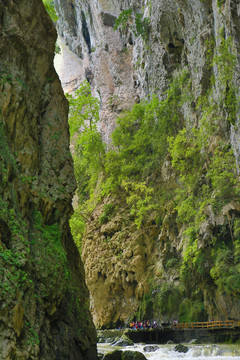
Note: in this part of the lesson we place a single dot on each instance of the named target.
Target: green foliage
(5, 77)
(13, 276)
(106, 214)
(145, 307)
(136, 22)
(142, 26)
(140, 197)
(220, 3)
(88, 156)
(226, 269)
(207, 171)
(192, 311)
(225, 61)
(173, 262)
(201, 156)
(167, 299)
(49, 6)
(78, 225)
(57, 49)
(89, 149)
(123, 19)
(139, 144)
(33, 337)
(50, 237)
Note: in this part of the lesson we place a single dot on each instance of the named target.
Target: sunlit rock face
(124, 67)
(43, 297)
(87, 29)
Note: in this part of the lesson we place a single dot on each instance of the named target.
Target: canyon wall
(123, 263)
(44, 310)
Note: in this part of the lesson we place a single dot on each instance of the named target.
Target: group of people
(146, 324)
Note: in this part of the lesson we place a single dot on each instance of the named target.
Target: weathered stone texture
(43, 297)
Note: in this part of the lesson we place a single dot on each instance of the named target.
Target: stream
(198, 352)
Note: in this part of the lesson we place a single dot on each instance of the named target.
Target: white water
(197, 352)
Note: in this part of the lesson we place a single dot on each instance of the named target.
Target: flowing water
(197, 352)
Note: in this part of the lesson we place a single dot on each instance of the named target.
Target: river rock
(114, 355)
(133, 355)
(150, 348)
(181, 348)
(194, 341)
(108, 335)
(124, 355)
(123, 341)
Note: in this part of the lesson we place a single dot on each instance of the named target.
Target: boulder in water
(150, 348)
(133, 355)
(108, 336)
(181, 348)
(122, 341)
(194, 341)
(114, 355)
(124, 355)
(170, 342)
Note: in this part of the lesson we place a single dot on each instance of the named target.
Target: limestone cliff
(43, 297)
(124, 66)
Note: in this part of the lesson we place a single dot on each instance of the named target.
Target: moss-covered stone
(44, 310)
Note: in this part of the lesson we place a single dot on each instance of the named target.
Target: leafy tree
(88, 155)
(89, 149)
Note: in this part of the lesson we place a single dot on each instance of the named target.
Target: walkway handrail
(205, 325)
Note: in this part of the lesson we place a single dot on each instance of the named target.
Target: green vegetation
(208, 180)
(220, 2)
(49, 6)
(204, 167)
(191, 311)
(106, 214)
(89, 155)
(138, 24)
(139, 144)
(89, 149)
(167, 299)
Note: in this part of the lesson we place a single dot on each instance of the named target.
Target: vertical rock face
(43, 297)
(87, 28)
(123, 67)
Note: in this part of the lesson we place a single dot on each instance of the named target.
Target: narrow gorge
(153, 88)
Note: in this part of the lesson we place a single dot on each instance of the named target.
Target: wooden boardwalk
(229, 324)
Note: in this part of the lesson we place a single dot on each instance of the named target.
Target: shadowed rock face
(43, 297)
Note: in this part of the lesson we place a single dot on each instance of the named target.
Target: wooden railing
(229, 324)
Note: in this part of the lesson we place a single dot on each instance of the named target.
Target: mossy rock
(133, 355)
(123, 341)
(181, 348)
(114, 355)
(194, 341)
(124, 355)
